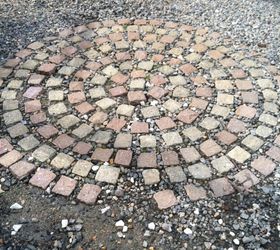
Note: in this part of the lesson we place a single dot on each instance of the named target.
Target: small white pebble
(17, 227)
(64, 223)
(220, 221)
(236, 241)
(125, 229)
(152, 226)
(119, 223)
(188, 231)
(95, 168)
(16, 206)
(104, 210)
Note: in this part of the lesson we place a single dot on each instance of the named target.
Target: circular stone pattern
(163, 101)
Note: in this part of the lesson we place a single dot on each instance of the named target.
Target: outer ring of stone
(198, 95)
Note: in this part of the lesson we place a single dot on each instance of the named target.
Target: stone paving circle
(170, 102)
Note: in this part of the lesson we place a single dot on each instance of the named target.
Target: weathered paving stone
(239, 154)
(10, 158)
(263, 165)
(12, 117)
(222, 164)
(147, 160)
(106, 103)
(252, 142)
(28, 143)
(139, 128)
(108, 174)
(102, 154)
(209, 123)
(89, 194)
(190, 154)
(102, 137)
(172, 138)
(62, 161)
(43, 153)
(170, 99)
(176, 174)
(200, 171)
(193, 133)
(63, 141)
(149, 112)
(195, 193)
(21, 169)
(148, 141)
(17, 130)
(5, 146)
(172, 105)
(246, 179)
(65, 186)
(221, 187)
(274, 153)
(82, 168)
(165, 123)
(42, 178)
(170, 158)
(123, 140)
(57, 109)
(125, 110)
(165, 199)
(151, 176)
(123, 157)
(210, 147)
(68, 121)
(82, 131)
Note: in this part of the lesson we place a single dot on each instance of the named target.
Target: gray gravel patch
(253, 23)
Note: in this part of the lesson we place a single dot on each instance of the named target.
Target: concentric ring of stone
(174, 103)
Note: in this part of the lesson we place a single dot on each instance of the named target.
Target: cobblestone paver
(169, 102)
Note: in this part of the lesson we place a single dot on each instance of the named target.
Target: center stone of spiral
(161, 100)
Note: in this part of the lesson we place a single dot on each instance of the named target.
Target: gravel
(253, 23)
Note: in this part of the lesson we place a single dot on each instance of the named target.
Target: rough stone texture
(221, 187)
(195, 193)
(89, 194)
(165, 199)
(65, 186)
(108, 174)
(174, 99)
(42, 178)
(151, 176)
